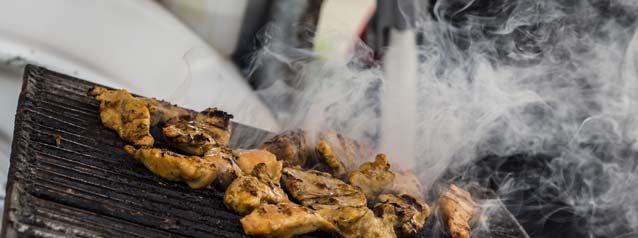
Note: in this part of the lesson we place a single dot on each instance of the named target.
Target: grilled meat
(248, 159)
(248, 192)
(372, 177)
(340, 153)
(125, 114)
(459, 208)
(405, 212)
(209, 129)
(224, 160)
(355, 222)
(320, 190)
(162, 111)
(289, 147)
(283, 220)
(195, 171)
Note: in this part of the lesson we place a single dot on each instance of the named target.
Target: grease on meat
(210, 128)
(340, 153)
(355, 222)
(248, 192)
(283, 220)
(125, 114)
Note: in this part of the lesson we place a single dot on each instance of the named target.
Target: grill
(69, 176)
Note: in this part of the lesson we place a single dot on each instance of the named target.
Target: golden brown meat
(125, 114)
(289, 147)
(340, 153)
(283, 220)
(317, 190)
(372, 177)
(248, 159)
(195, 171)
(405, 212)
(248, 192)
(224, 160)
(355, 222)
(459, 209)
(209, 129)
(162, 111)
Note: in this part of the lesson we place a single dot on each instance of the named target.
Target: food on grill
(357, 222)
(162, 111)
(195, 171)
(252, 178)
(327, 156)
(459, 209)
(125, 114)
(372, 177)
(248, 159)
(248, 192)
(223, 159)
(405, 212)
(340, 153)
(289, 147)
(318, 190)
(283, 220)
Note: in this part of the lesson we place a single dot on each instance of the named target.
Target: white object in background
(340, 24)
(219, 22)
(129, 44)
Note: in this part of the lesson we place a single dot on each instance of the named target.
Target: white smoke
(499, 78)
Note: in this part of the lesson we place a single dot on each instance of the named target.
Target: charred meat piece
(406, 182)
(372, 177)
(283, 220)
(195, 171)
(317, 190)
(125, 114)
(223, 159)
(248, 159)
(355, 222)
(289, 147)
(162, 111)
(405, 212)
(209, 129)
(459, 209)
(248, 192)
(341, 154)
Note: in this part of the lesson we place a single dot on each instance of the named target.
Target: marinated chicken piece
(209, 129)
(459, 209)
(223, 159)
(355, 222)
(327, 156)
(162, 111)
(248, 192)
(289, 147)
(406, 182)
(248, 159)
(283, 220)
(372, 177)
(195, 171)
(340, 153)
(317, 190)
(405, 212)
(125, 114)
